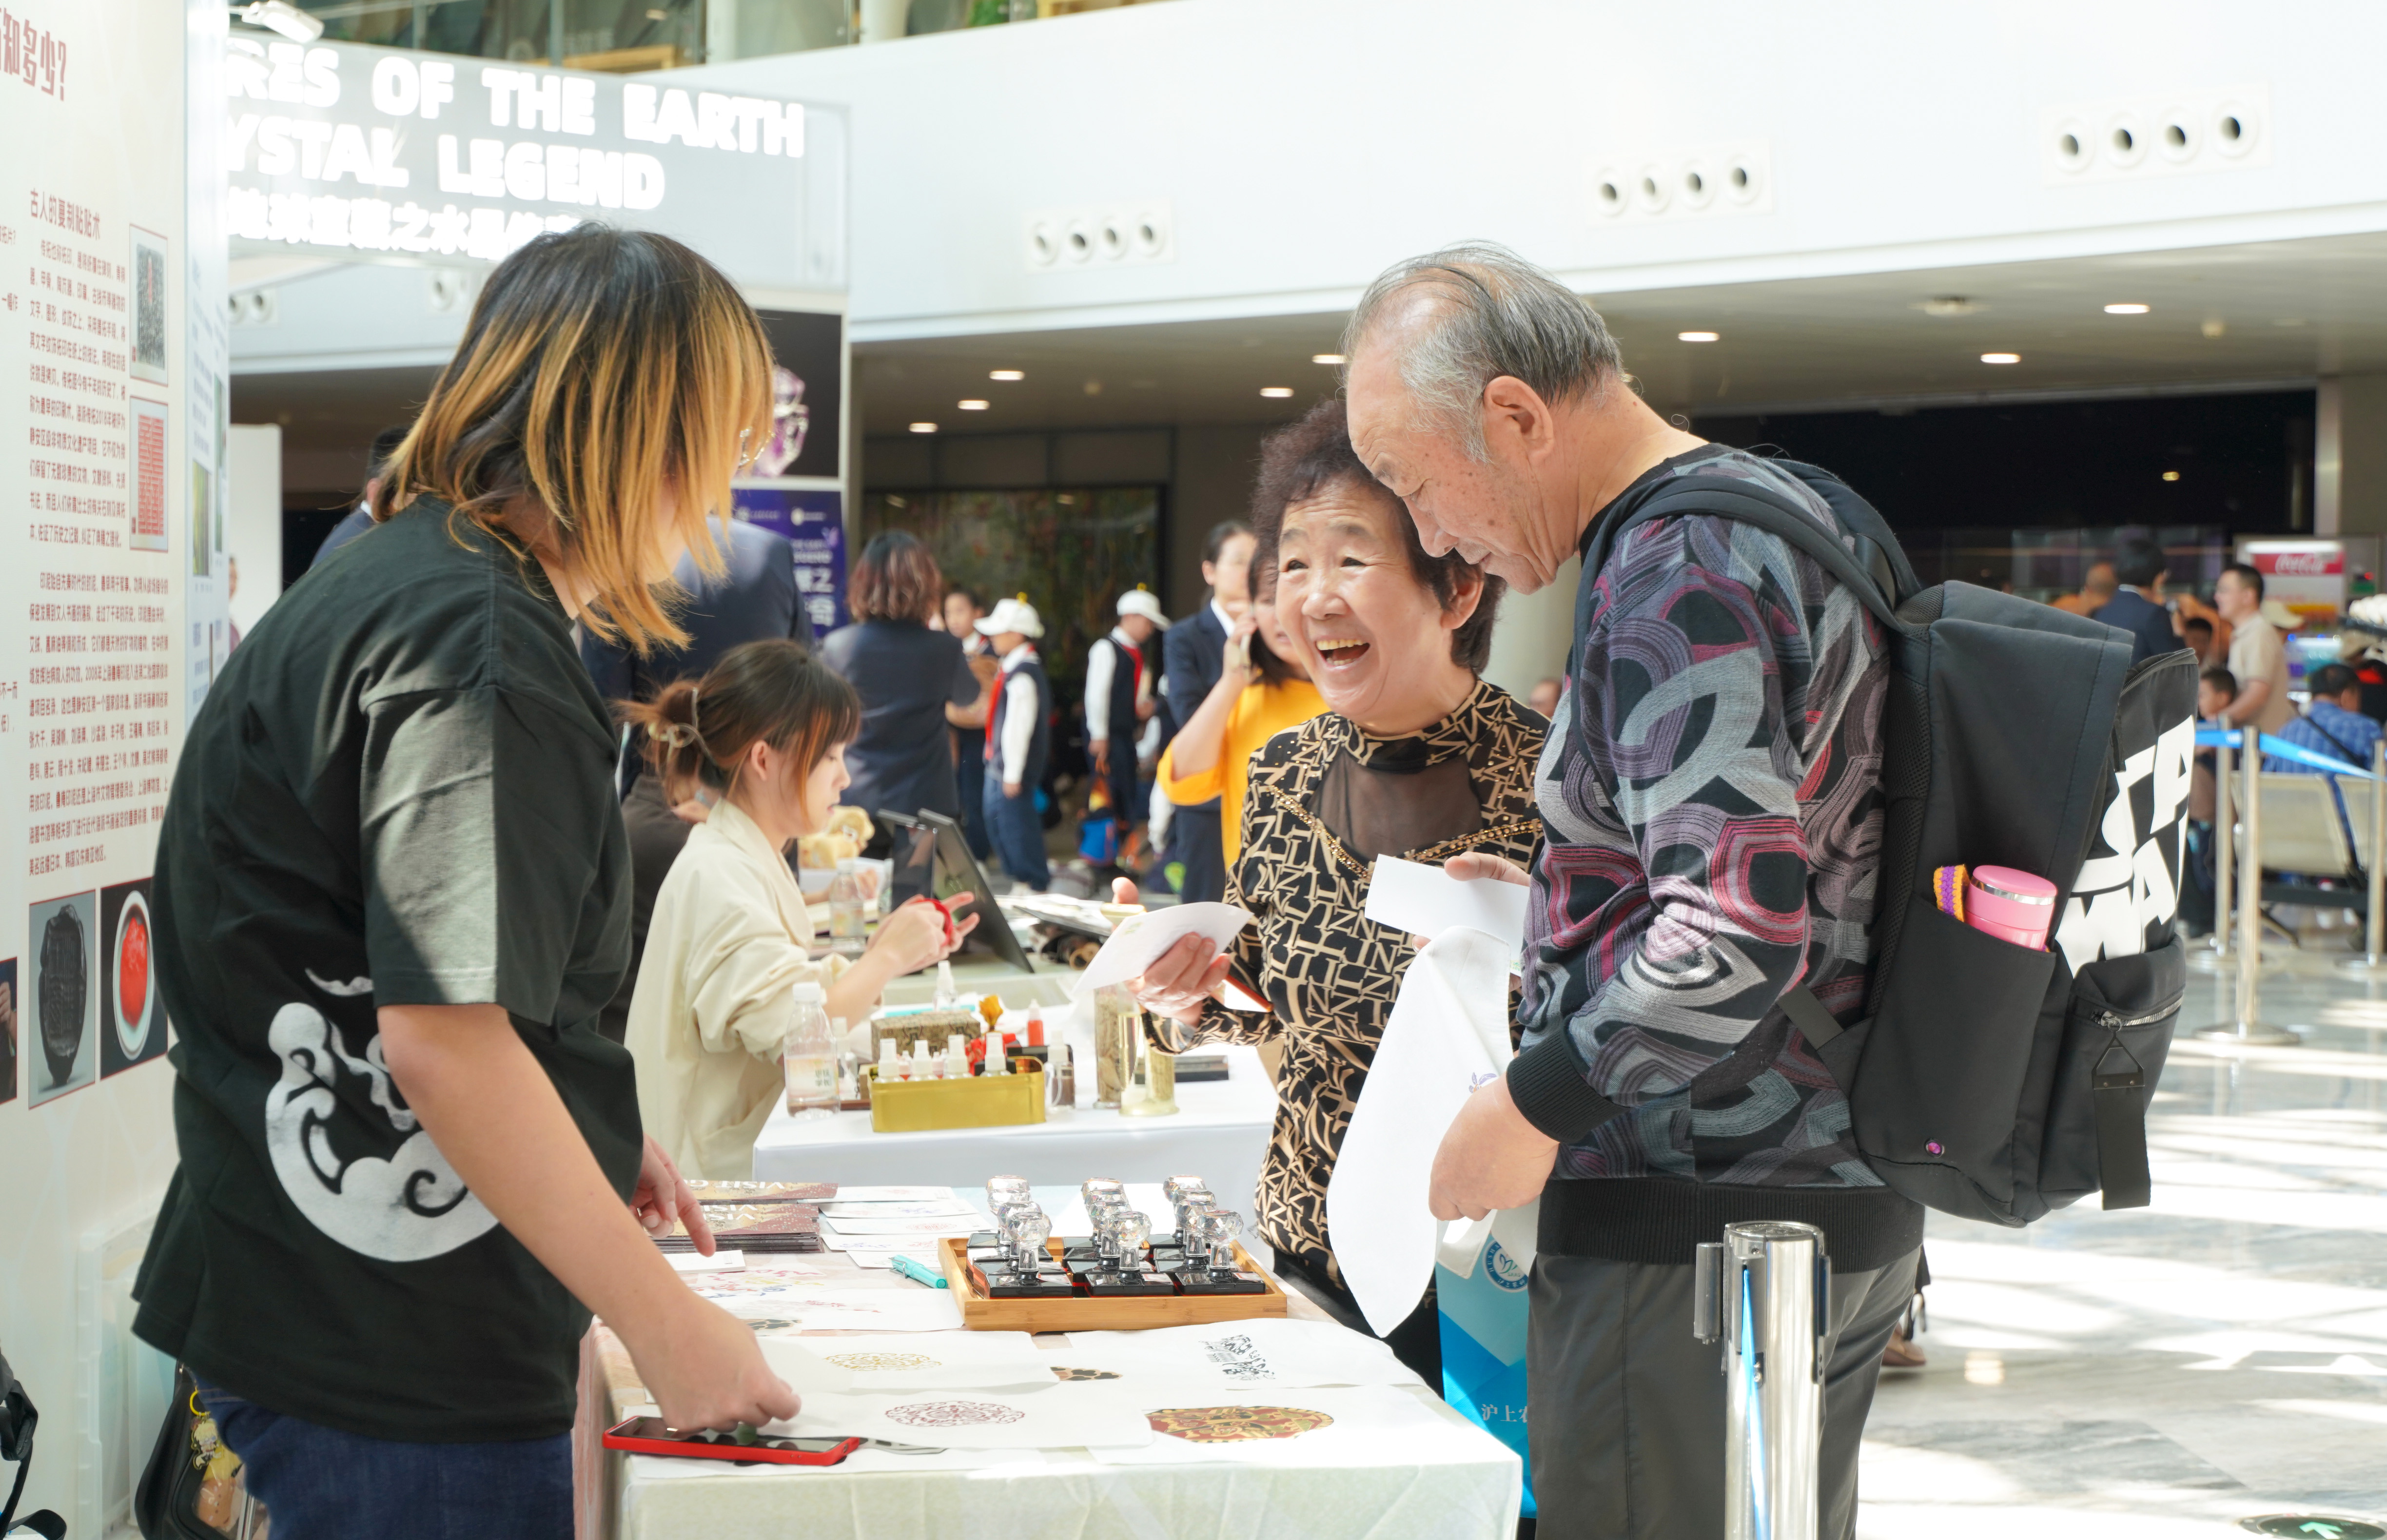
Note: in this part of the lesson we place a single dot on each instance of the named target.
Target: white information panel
(108, 458)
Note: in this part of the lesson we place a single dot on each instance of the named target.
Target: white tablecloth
(1219, 1133)
(1455, 1483)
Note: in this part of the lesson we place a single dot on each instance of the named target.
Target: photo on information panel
(132, 1021)
(62, 1048)
(149, 269)
(9, 1030)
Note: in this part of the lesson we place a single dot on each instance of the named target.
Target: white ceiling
(2287, 312)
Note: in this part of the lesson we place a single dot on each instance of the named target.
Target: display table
(1450, 1481)
(1221, 1131)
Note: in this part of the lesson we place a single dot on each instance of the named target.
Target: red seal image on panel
(132, 975)
(131, 1015)
(952, 1414)
(1235, 1424)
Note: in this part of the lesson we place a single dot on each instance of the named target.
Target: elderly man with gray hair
(1712, 801)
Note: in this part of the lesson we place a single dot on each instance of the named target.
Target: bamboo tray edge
(1081, 1314)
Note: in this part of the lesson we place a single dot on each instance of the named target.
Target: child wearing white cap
(1018, 737)
(1120, 699)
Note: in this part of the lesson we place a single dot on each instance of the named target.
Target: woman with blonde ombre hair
(392, 894)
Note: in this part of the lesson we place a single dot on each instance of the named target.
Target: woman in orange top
(1258, 695)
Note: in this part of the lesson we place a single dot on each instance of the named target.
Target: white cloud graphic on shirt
(402, 1209)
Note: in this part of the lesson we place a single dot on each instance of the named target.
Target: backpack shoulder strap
(1877, 574)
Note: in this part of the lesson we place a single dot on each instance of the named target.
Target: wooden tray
(1081, 1314)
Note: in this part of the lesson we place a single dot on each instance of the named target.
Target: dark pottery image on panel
(131, 1019)
(9, 1030)
(59, 996)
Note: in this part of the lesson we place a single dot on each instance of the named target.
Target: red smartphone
(647, 1435)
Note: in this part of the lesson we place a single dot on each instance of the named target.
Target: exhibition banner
(814, 519)
(338, 147)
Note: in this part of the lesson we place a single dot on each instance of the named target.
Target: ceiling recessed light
(971, 406)
(1949, 304)
(1699, 337)
(924, 427)
(2171, 476)
(1008, 375)
(2129, 307)
(1328, 358)
(2001, 357)
(2215, 327)
(1276, 393)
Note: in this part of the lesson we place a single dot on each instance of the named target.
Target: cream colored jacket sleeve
(713, 1007)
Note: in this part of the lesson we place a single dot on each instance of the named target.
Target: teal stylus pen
(913, 1270)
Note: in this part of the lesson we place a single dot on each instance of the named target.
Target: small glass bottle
(808, 1057)
(890, 1068)
(848, 911)
(944, 995)
(956, 1057)
(923, 1067)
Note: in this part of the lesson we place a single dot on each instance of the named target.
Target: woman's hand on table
(705, 1369)
(919, 934)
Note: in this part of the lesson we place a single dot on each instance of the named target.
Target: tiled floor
(2160, 1373)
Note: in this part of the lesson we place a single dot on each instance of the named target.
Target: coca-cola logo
(2302, 563)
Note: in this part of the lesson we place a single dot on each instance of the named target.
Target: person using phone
(1262, 690)
(392, 896)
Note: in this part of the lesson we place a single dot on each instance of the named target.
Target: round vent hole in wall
(2126, 142)
(1609, 193)
(2233, 128)
(1114, 242)
(1699, 187)
(1649, 191)
(2072, 150)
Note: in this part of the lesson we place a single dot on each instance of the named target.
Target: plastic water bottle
(848, 911)
(808, 1057)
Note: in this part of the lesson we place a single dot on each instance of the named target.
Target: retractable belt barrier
(1765, 1293)
(2248, 1029)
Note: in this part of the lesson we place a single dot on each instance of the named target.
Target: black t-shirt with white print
(399, 792)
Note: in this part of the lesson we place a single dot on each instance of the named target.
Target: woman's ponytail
(668, 737)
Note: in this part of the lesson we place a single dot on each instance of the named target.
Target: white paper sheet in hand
(1141, 938)
(1424, 901)
(1447, 1033)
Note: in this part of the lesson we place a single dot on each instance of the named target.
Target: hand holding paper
(1429, 901)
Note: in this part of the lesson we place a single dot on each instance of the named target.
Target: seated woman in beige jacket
(762, 740)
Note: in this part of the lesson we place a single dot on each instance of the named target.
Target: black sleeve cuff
(1548, 1084)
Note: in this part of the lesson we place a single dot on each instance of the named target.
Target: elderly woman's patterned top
(1324, 801)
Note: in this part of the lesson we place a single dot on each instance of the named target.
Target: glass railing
(628, 35)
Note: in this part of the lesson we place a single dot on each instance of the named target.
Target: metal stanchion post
(2215, 954)
(2371, 964)
(1764, 1291)
(2246, 1030)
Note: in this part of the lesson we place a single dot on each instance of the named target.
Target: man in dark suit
(1193, 652)
(2136, 605)
(756, 598)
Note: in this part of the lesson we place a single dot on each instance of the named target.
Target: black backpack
(1986, 1080)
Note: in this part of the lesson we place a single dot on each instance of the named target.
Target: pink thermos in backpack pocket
(2013, 906)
